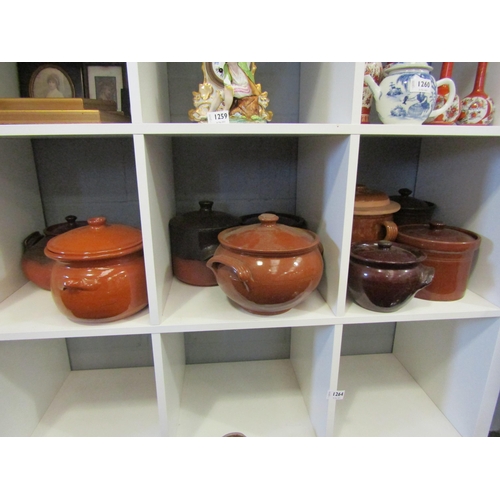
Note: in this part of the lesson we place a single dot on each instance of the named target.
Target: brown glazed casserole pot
(450, 251)
(36, 266)
(193, 240)
(99, 271)
(373, 216)
(267, 268)
(413, 210)
(384, 276)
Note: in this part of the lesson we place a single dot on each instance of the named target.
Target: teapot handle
(451, 96)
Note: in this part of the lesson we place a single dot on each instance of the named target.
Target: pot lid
(372, 202)
(386, 254)
(204, 218)
(408, 202)
(438, 236)
(391, 66)
(269, 237)
(97, 240)
(63, 227)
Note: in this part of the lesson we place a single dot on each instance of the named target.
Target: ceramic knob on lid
(99, 272)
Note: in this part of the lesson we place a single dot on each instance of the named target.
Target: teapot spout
(372, 84)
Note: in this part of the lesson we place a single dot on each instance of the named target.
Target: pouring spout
(373, 87)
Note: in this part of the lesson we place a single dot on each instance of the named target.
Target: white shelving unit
(443, 377)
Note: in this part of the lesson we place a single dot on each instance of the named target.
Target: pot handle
(391, 230)
(449, 101)
(84, 284)
(32, 240)
(427, 276)
(243, 273)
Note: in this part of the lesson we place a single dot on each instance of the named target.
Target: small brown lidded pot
(99, 272)
(384, 276)
(449, 250)
(413, 210)
(36, 266)
(193, 240)
(373, 216)
(267, 268)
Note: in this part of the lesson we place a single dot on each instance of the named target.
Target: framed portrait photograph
(50, 79)
(105, 81)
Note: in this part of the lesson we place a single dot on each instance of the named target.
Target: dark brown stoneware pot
(384, 276)
(267, 268)
(193, 240)
(36, 266)
(99, 272)
(450, 251)
(373, 216)
(413, 210)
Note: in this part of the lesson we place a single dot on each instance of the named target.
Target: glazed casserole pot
(373, 216)
(99, 271)
(413, 210)
(193, 240)
(384, 276)
(267, 268)
(450, 251)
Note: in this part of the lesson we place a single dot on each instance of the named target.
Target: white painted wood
(328, 92)
(21, 211)
(383, 400)
(148, 87)
(457, 364)
(157, 203)
(32, 372)
(169, 362)
(325, 197)
(314, 355)
(118, 402)
(257, 398)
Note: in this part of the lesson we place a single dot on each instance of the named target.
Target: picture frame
(106, 81)
(37, 79)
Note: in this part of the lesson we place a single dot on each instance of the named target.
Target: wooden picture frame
(105, 81)
(50, 79)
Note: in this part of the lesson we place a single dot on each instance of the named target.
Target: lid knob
(385, 245)
(405, 192)
(96, 222)
(205, 206)
(268, 219)
(436, 225)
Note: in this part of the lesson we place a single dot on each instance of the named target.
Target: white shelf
(191, 308)
(470, 306)
(31, 313)
(257, 398)
(383, 400)
(103, 403)
(242, 129)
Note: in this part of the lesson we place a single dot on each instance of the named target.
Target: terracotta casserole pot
(373, 216)
(449, 250)
(99, 271)
(267, 268)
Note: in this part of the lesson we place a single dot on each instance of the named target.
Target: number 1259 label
(218, 116)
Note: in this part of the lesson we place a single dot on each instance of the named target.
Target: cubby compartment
(42, 396)
(265, 397)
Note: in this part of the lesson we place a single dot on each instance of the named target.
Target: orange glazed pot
(267, 268)
(99, 272)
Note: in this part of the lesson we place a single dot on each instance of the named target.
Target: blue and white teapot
(407, 95)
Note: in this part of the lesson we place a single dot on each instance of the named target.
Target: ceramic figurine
(374, 69)
(230, 86)
(407, 95)
(478, 107)
(450, 117)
